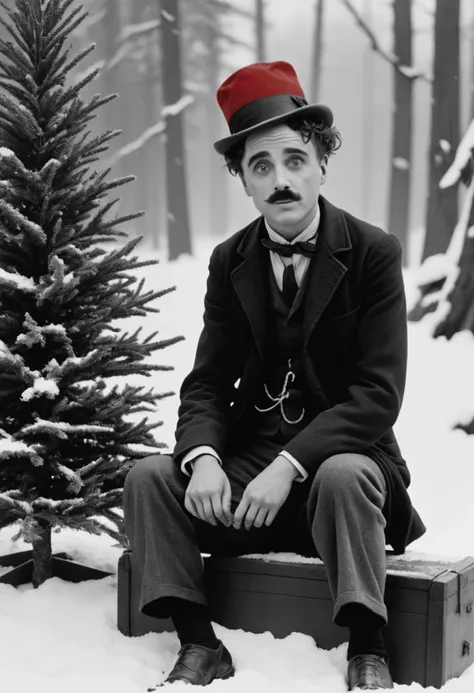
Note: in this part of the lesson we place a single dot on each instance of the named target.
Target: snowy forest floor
(63, 637)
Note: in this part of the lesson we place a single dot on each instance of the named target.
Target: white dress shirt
(301, 263)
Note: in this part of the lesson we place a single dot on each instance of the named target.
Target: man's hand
(208, 494)
(264, 495)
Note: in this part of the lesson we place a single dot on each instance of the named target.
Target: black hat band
(261, 110)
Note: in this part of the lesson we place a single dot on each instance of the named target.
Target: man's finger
(240, 513)
(217, 509)
(226, 503)
(208, 511)
(260, 517)
(190, 506)
(271, 516)
(251, 515)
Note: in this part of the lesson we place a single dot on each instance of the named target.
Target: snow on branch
(131, 147)
(407, 71)
(155, 130)
(61, 429)
(132, 31)
(461, 161)
(17, 281)
(176, 108)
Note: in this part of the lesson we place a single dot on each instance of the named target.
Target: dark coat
(355, 353)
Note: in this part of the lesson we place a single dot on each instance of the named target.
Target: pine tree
(66, 443)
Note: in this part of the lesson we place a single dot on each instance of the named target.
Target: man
(285, 422)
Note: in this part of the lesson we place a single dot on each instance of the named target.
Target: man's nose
(281, 178)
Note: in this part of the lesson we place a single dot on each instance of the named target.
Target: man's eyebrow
(287, 150)
(294, 150)
(258, 155)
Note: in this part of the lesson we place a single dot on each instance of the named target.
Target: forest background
(399, 77)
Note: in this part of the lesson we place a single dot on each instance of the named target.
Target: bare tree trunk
(218, 196)
(260, 30)
(135, 121)
(461, 299)
(177, 223)
(472, 66)
(316, 66)
(442, 209)
(400, 171)
(111, 25)
(42, 556)
(368, 76)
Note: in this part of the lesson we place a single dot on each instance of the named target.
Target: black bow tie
(287, 250)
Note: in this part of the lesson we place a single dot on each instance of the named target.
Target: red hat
(260, 95)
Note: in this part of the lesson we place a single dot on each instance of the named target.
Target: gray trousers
(337, 516)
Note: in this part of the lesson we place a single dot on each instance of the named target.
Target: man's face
(283, 175)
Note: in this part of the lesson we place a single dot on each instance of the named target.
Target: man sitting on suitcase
(284, 440)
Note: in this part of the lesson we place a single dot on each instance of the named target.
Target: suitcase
(430, 633)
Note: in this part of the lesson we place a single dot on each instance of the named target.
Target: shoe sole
(227, 675)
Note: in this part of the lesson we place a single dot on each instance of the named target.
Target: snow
(166, 15)
(4, 152)
(401, 163)
(409, 71)
(134, 30)
(42, 386)
(463, 154)
(445, 146)
(17, 280)
(69, 631)
(131, 147)
(8, 446)
(434, 268)
(175, 108)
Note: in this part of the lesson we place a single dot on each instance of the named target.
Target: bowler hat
(262, 95)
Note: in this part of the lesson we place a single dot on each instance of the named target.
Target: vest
(283, 357)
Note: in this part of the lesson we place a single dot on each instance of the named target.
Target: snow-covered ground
(63, 637)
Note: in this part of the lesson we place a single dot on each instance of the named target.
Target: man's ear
(323, 165)
(242, 178)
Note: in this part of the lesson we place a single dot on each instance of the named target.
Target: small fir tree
(66, 444)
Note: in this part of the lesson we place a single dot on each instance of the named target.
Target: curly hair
(327, 141)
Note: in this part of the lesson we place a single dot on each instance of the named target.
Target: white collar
(305, 235)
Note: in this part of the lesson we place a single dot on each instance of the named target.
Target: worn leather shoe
(368, 673)
(199, 665)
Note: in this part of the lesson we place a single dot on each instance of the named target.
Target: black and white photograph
(236, 345)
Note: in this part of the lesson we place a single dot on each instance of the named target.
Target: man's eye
(296, 161)
(261, 168)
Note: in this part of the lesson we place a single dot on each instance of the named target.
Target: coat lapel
(325, 273)
(250, 281)
(326, 270)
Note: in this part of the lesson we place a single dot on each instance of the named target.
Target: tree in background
(260, 31)
(400, 169)
(472, 64)
(66, 443)
(316, 64)
(446, 280)
(174, 100)
(111, 25)
(405, 75)
(442, 209)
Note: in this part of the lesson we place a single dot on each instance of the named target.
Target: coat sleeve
(208, 390)
(376, 391)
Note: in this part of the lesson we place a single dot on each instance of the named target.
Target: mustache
(283, 196)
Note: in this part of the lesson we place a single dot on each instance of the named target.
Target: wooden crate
(430, 603)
